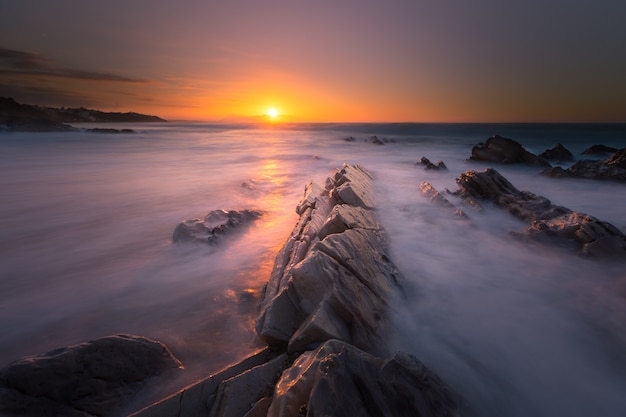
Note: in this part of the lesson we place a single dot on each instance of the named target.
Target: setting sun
(272, 113)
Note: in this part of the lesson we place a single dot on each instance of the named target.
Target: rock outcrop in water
(430, 166)
(584, 233)
(324, 314)
(558, 153)
(215, 226)
(613, 168)
(96, 378)
(505, 151)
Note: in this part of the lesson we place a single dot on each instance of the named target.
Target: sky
(321, 61)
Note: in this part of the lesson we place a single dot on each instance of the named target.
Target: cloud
(14, 62)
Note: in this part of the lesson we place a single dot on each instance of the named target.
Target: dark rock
(216, 225)
(96, 378)
(558, 153)
(430, 166)
(586, 234)
(338, 379)
(556, 172)
(505, 151)
(350, 139)
(599, 150)
(109, 130)
(376, 141)
(613, 168)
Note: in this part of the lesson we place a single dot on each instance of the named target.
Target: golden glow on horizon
(272, 113)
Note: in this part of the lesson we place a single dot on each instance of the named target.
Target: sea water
(514, 329)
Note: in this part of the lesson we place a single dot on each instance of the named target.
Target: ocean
(514, 329)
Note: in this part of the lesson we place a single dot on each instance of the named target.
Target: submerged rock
(505, 151)
(214, 227)
(613, 168)
(558, 153)
(96, 378)
(338, 379)
(585, 233)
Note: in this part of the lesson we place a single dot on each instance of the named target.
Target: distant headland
(15, 116)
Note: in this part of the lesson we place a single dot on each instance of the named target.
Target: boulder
(584, 233)
(215, 226)
(96, 378)
(333, 279)
(599, 150)
(505, 151)
(338, 379)
(613, 168)
(558, 153)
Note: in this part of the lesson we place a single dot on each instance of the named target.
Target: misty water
(514, 329)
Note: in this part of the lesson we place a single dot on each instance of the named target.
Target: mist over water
(86, 223)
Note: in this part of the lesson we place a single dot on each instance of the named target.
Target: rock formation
(505, 151)
(95, 378)
(558, 153)
(324, 314)
(215, 226)
(429, 165)
(599, 150)
(437, 198)
(613, 168)
(584, 233)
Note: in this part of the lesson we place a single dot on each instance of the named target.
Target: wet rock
(613, 168)
(437, 198)
(550, 223)
(505, 151)
(333, 279)
(349, 139)
(215, 226)
(558, 153)
(340, 380)
(599, 150)
(376, 141)
(430, 166)
(96, 378)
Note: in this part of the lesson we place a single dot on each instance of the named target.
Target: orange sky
(349, 61)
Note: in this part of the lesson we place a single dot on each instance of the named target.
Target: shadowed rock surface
(215, 226)
(582, 232)
(338, 379)
(599, 150)
(96, 378)
(558, 153)
(613, 168)
(505, 151)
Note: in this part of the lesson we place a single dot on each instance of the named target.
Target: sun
(272, 113)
